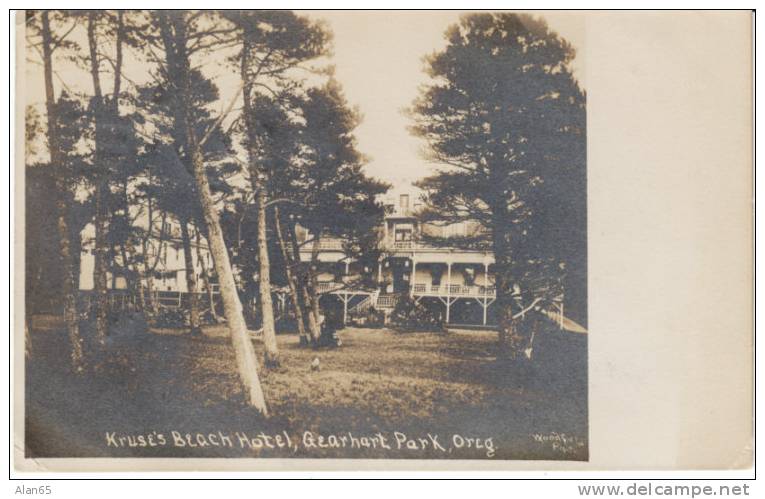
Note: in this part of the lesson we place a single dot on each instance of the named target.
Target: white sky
(378, 59)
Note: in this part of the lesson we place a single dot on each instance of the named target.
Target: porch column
(345, 309)
(414, 274)
(448, 289)
(379, 272)
(485, 301)
(347, 264)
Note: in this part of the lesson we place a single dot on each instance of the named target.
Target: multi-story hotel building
(458, 282)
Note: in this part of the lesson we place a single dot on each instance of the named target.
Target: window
(403, 235)
(404, 202)
(436, 276)
(469, 276)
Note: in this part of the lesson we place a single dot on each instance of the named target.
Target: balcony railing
(404, 245)
(330, 244)
(453, 290)
(327, 286)
(324, 245)
(410, 245)
(386, 244)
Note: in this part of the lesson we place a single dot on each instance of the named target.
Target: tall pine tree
(504, 118)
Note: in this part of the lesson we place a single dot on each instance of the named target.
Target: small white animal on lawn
(315, 366)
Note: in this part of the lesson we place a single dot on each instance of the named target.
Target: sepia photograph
(304, 235)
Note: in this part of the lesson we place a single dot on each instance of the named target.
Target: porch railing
(386, 301)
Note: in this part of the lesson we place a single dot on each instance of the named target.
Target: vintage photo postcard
(296, 238)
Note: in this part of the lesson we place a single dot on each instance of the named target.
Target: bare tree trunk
(100, 268)
(177, 60)
(509, 338)
(205, 276)
(266, 304)
(259, 184)
(141, 294)
(27, 340)
(148, 269)
(289, 262)
(191, 280)
(70, 286)
(314, 278)
(312, 324)
(153, 305)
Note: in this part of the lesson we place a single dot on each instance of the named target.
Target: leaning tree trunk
(178, 61)
(312, 324)
(245, 354)
(191, 280)
(69, 285)
(289, 262)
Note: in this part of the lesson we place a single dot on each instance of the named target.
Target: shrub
(410, 315)
(370, 317)
(170, 317)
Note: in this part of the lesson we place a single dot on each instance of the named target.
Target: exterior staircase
(364, 305)
(384, 303)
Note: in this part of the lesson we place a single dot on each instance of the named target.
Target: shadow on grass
(443, 384)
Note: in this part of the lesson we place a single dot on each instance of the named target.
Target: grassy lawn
(378, 381)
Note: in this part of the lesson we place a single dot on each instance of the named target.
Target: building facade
(456, 283)
(161, 248)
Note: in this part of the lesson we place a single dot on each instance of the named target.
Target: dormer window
(404, 202)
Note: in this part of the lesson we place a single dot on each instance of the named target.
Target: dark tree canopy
(505, 120)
